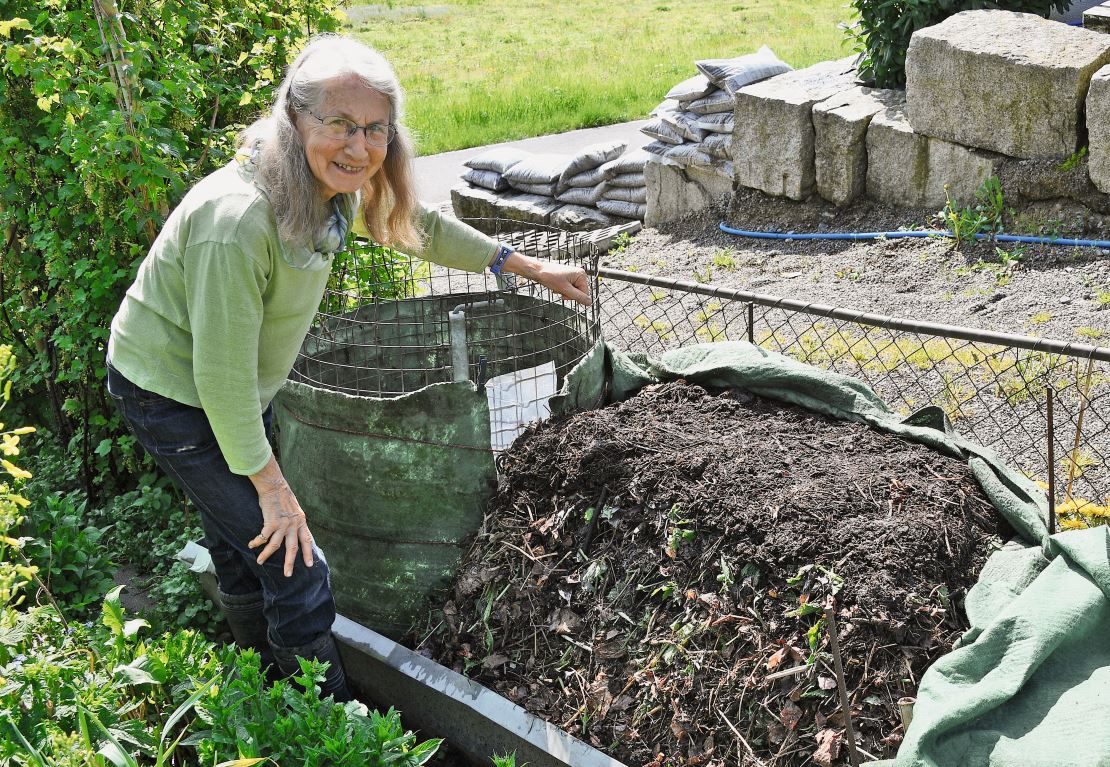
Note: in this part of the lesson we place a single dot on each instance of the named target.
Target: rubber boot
(247, 622)
(322, 648)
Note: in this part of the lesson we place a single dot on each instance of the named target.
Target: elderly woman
(211, 327)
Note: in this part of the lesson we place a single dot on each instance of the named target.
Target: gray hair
(389, 197)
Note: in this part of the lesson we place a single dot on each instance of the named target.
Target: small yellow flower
(14, 470)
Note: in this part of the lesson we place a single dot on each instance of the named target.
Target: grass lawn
(483, 71)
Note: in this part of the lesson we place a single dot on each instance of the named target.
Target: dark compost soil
(649, 576)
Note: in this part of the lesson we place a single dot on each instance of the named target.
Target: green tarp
(1027, 684)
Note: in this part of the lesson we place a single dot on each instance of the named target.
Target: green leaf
(104, 447)
(6, 27)
(112, 612)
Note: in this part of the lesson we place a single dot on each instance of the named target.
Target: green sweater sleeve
(223, 290)
(450, 242)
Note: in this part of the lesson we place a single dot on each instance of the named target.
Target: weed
(1076, 463)
(1092, 333)
(658, 327)
(680, 533)
(1102, 297)
(725, 259)
(1040, 318)
(704, 276)
(620, 243)
(967, 224)
(508, 760)
(1073, 161)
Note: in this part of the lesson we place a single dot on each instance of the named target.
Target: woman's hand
(563, 279)
(283, 520)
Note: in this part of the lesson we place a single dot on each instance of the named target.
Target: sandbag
(666, 105)
(544, 190)
(689, 154)
(583, 195)
(629, 180)
(685, 124)
(592, 156)
(657, 148)
(538, 169)
(626, 194)
(591, 177)
(487, 179)
(717, 145)
(722, 122)
(633, 162)
(660, 130)
(691, 89)
(621, 208)
(717, 101)
(497, 160)
(734, 74)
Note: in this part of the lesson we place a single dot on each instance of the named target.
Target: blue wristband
(503, 253)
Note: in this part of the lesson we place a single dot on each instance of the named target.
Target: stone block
(527, 208)
(473, 202)
(1098, 125)
(579, 218)
(674, 192)
(1006, 82)
(910, 169)
(773, 141)
(1097, 19)
(840, 139)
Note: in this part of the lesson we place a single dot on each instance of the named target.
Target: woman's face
(344, 165)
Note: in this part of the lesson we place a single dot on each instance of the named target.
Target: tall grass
(482, 71)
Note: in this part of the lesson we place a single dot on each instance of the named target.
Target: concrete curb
(441, 703)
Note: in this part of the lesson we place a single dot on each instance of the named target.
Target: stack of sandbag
(625, 189)
(693, 125)
(597, 186)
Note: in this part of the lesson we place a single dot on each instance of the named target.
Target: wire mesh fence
(996, 388)
(390, 324)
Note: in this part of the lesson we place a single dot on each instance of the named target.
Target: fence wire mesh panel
(390, 324)
(994, 387)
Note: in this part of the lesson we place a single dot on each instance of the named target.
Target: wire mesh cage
(390, 324)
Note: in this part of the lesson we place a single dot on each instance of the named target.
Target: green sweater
(217, 314)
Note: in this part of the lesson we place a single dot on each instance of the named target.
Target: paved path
(437, 173)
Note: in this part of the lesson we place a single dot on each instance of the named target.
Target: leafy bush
(884, 28)
(100, 694)
(71, 559)
(105, 121)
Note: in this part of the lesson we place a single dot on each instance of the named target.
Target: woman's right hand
(283, 519)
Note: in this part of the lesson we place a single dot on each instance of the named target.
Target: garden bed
(650, 578)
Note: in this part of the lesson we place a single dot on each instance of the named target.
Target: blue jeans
(299, 609)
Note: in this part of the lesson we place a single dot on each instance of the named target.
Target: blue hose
(1031, 239)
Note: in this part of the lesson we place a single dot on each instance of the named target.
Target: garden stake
(849, 735)
(905, 710)
(751, 323)
(1051, 468)
(1073, 462)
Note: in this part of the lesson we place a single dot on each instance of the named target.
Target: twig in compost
(739, 737)
(842, 687)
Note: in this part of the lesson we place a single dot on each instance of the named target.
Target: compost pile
(651, 578)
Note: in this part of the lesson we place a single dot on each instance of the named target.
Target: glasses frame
(355, 128)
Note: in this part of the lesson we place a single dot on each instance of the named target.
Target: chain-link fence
(997, 389)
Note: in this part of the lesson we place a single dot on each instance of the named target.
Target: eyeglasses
(377, 134)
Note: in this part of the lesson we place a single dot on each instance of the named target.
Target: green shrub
(883, 30)
(72, 692)
(99, 138)
(71, 558)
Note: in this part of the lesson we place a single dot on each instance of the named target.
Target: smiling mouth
(348, 168)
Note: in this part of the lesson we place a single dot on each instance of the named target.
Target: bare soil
(1041, 290)
(650, 577)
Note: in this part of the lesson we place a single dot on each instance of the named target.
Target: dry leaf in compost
(495, 661)
(828, 747)
(826, 683)
(564, 621)
(790, 715)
